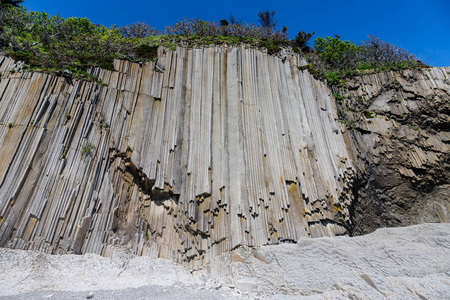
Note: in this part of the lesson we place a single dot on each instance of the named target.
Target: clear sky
(420, 26)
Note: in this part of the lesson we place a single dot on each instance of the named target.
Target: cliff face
(201, 152)
(208, 150)
(401, 130)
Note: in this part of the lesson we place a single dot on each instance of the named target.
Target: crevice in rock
(141, 179)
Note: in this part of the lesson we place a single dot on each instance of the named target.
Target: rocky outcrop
(203, 151)
(400, 123)
(209, 150)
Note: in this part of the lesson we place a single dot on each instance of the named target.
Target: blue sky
(420, 26)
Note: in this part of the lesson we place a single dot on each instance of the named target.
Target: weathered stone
(211, 150)
(401, 127)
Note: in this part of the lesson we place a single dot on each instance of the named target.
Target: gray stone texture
(213, 149)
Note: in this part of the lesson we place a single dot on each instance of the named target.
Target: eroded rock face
(401, 130)
(209, 150)
(204, 151)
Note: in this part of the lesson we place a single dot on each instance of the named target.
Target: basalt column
(202, 151)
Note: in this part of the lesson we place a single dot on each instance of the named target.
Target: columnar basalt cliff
(203, 151)
(211, 149)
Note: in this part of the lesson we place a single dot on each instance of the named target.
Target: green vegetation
(52, 43)
(347, 123)
(10, 125)
(336, 54)
(10, 2)
(338, 98)
(368, 114)
(71, 46)
(87, 149)
(301, 41)
(336, 60)
(267, 19)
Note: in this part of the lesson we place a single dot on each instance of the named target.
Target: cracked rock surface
(208, 151)
(401, 133)
(227, 161)
(203, 151)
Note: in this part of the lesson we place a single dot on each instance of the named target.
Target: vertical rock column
(202, 151)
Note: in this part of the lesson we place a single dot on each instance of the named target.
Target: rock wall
(203, 151)
(401, 127)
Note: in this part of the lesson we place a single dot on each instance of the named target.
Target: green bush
(335, 59)
(10, 2)
(76, 44)
(51, 43)
(337, 54)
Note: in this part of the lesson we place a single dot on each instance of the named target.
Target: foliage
(301, 40)
(335, 59)
(52, 44)
(337, 54)
(379, 53)
(202, 28)
(368, 114)
(334, 78)
(267, 19)
(234, 20)
(10, 2)
(87, 149)
(138, 30)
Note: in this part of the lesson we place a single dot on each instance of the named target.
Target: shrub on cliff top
(54, 43)
(11, 2)
(301, 40)
(138, 30)
(337, 54)
(202, 28)
(336, 59)
(267, 19)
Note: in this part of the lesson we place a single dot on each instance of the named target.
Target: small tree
(267, 19)
(301, 40)
(337, 54)
(137, 30)
(376, 51)
(234, 20)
